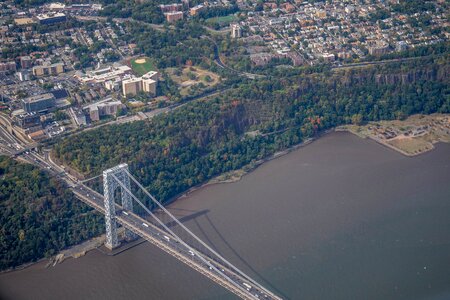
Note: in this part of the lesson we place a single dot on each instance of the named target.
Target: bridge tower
(109, 187)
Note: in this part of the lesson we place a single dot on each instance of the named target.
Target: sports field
(222, 21)
(142, 65)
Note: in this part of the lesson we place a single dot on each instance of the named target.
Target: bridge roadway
(170, 245)
(133, 222)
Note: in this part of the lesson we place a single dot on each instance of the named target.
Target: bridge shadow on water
(185, 218)
(194, 217)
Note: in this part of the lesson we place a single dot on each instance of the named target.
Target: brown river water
(342, 218)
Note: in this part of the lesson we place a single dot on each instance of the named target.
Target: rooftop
(38, 98)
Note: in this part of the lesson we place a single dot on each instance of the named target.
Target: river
(342, 218)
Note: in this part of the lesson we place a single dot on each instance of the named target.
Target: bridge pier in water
(109, 187)
(198, 255)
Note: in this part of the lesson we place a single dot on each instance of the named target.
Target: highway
(245, 288)
(9, 144)
(170, 244)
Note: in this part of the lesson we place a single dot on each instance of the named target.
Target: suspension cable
(178, 238)
(194, 236)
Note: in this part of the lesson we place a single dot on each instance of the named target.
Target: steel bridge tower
(109, 187)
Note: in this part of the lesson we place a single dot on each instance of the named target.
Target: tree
(357, 119)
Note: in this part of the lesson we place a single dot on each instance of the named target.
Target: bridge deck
(155, 236)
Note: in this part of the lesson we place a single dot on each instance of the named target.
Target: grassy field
(222, 21)
(412, 136)
(142, 68)
(191, 76)
(412, 146)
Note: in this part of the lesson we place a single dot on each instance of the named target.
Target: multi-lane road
(197, 260)
(226, 276)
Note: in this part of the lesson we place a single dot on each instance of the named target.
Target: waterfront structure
(205, 261)
(38, 103)
(109, 187)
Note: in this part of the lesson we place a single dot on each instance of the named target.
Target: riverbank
(79, 250)
(237, 175)
(75, 251)
(96, 243)
(380, 219)
(413, 136)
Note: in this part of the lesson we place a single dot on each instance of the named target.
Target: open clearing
(412, 136)
(190, 78)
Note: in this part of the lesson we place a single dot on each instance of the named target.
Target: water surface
(342, 218)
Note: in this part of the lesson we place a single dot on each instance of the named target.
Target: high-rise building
(53, 69)
(104, 109)
(171, 7)
(131, 86)
(28, 120)
(147, 83)
(149, 86)
(8, 66)
(151, 75)
(380, 47)
(174, 16)
(23, 75)
(51, 18)
(236, 31)
(26, 62)
(38, 103)
(196, 9)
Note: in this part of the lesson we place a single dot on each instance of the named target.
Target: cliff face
(396, 74)
(435, 74)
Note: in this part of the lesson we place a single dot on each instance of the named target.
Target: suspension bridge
(158, 226)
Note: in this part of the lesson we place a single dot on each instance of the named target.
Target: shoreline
(75, 251)
(230, 177)
(413, 136)
(382, 143)
(237, 175)
(95, 243)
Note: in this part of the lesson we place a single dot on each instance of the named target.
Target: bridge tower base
(109, 187)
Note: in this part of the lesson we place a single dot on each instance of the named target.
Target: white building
(236, 31)
(131, 86)
(147, 83)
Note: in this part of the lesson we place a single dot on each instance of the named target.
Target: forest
(203, 139)
(38, 215)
